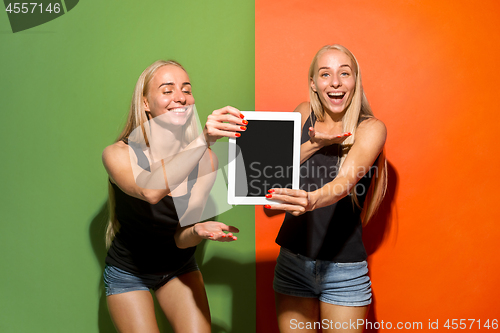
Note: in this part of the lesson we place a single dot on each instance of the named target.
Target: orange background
(430, 71)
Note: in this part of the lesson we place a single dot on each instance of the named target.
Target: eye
(167, 92)
(345, 74)
(325, 74)
(187, 92)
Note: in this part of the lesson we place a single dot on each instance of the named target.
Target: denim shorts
(337, 283)
(117, 281)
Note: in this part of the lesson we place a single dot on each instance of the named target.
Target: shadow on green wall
(222, 271)
(97, 230)
(217, 271)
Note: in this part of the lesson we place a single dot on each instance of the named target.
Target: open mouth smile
(337, 96)
(179, 110)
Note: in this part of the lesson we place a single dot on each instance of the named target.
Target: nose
(179, 97)
(335, 82)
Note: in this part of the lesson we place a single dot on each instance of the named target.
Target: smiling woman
(321, 271)
(160, 173)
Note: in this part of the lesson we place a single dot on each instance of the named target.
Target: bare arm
(192, 235)
(153, 185)
(120, 164)
(201, 189)
(370, 139)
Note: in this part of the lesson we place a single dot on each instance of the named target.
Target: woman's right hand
(323, 139)
(225, 122)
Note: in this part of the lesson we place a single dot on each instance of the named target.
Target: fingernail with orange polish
(269, 196)
(242, 116)
(267, 206)
(243, 128)
(271, 191)
(237, 135)
(244, 122)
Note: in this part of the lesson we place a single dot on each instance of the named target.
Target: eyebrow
(345, 65)
(171, 84)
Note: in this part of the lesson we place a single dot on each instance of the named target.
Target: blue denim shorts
(337, 283)
(117, 281)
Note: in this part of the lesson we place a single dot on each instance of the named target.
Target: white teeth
(336, 94)
(178, 110)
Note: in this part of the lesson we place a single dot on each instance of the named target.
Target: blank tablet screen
(264, 165)
(267, 155)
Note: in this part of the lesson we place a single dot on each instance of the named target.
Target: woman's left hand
(325, 139)
(296, 202)
(215, 231)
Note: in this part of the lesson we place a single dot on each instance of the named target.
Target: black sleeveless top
(145, 242)
(334, 232)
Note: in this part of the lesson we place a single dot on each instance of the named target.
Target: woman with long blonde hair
(321, 281)
(160, 175)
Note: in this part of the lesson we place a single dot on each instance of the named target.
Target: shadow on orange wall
(383, 227)
(384, 224)
(266, 252)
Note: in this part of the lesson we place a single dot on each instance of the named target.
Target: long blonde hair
(357, 110)
(137, 117)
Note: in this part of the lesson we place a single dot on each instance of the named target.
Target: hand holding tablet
(296, 202)
(222, 122)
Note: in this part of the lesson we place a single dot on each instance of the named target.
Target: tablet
(267, 155)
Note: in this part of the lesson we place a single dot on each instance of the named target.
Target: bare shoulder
(371, 132)
(372, 126)
(304, 108)
(113, 151)
(115, 156)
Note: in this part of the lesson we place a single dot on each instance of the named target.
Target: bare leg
(184, 302)
(342, 318)
(294, 313)
(133, 312)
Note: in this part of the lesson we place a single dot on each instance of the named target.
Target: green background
(65, 90)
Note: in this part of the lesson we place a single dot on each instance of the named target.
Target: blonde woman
(321, 280)
(160, 173)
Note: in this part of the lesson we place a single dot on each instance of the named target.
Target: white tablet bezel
(264, 115)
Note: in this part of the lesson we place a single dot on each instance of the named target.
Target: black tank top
(333, 232)
(145, 242)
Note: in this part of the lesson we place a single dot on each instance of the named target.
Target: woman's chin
(172, 119)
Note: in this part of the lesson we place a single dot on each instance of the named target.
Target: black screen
(267, 150)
